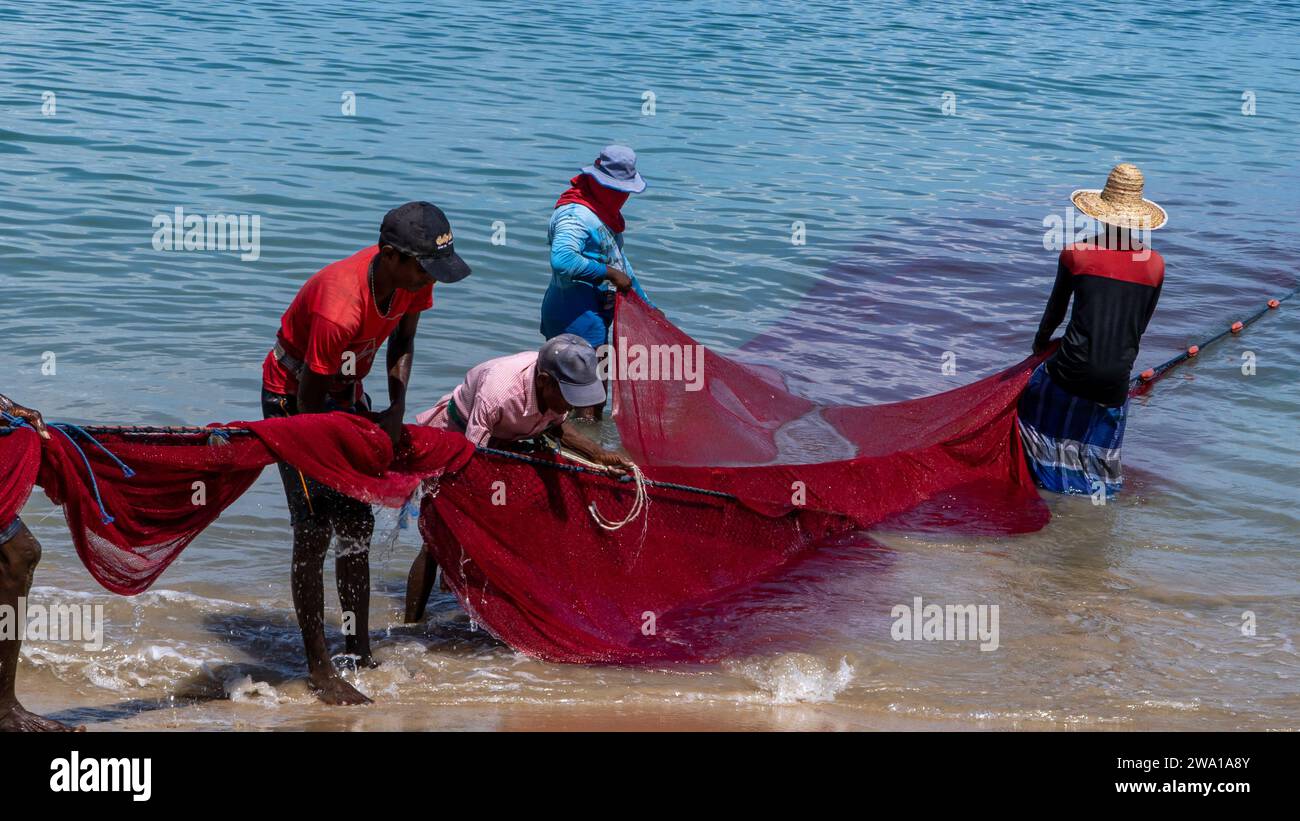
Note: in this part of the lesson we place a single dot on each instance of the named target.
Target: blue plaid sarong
(1072, 445)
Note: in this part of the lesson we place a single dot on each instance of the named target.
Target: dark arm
(28, 415)
(1151, 309)
(326, 348)
(312, 390)
(575, 440)
(401, 353)
(1057, 304)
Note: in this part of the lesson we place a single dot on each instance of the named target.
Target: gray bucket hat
(572, 361)
(616, 168)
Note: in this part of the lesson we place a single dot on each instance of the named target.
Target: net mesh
(133, 502)
(532, 565)
(520, 547)
(759, 475)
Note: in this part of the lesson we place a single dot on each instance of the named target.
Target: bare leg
(419, 584)
(352, 574)
(310, 543)
(18, 559)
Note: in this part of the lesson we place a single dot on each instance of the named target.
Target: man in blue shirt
(586, 239)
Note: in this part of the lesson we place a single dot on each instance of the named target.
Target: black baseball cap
(421, 230)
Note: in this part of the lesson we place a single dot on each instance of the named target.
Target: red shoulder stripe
(1141, 268)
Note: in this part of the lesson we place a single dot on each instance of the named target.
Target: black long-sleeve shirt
(1115, 293)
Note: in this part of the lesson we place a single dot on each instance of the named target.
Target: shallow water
(924, 235)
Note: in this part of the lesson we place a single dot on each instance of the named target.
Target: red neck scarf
(605, 203)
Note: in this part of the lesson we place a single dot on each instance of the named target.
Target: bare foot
(18, 719)
(334, 690)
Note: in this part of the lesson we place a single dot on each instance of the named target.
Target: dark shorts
(309, 501)
(11, 530)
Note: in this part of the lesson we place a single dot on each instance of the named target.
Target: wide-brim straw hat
(1120, 202)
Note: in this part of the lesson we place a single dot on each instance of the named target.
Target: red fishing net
(757, 474)
(523, 552)
(134, 501)
(518, 544)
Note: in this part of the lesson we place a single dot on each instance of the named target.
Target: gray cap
(572, 361)
(616, 168)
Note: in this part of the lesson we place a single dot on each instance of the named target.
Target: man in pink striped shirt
(512, 398)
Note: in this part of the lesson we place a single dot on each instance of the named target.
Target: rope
(63, 428)
(126, 471)
(1152, 374)
(640, 503)
(145, 430)
(550, 463)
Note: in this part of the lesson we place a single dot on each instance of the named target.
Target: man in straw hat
(1073, 410)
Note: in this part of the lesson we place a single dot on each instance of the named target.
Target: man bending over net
(509, 399)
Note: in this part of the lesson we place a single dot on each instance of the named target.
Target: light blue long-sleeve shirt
(582, 249)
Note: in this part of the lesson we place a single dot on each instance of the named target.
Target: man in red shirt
(326, 346)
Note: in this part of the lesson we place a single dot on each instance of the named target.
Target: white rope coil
(638, 505)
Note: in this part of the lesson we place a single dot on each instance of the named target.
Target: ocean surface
(921, 149)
